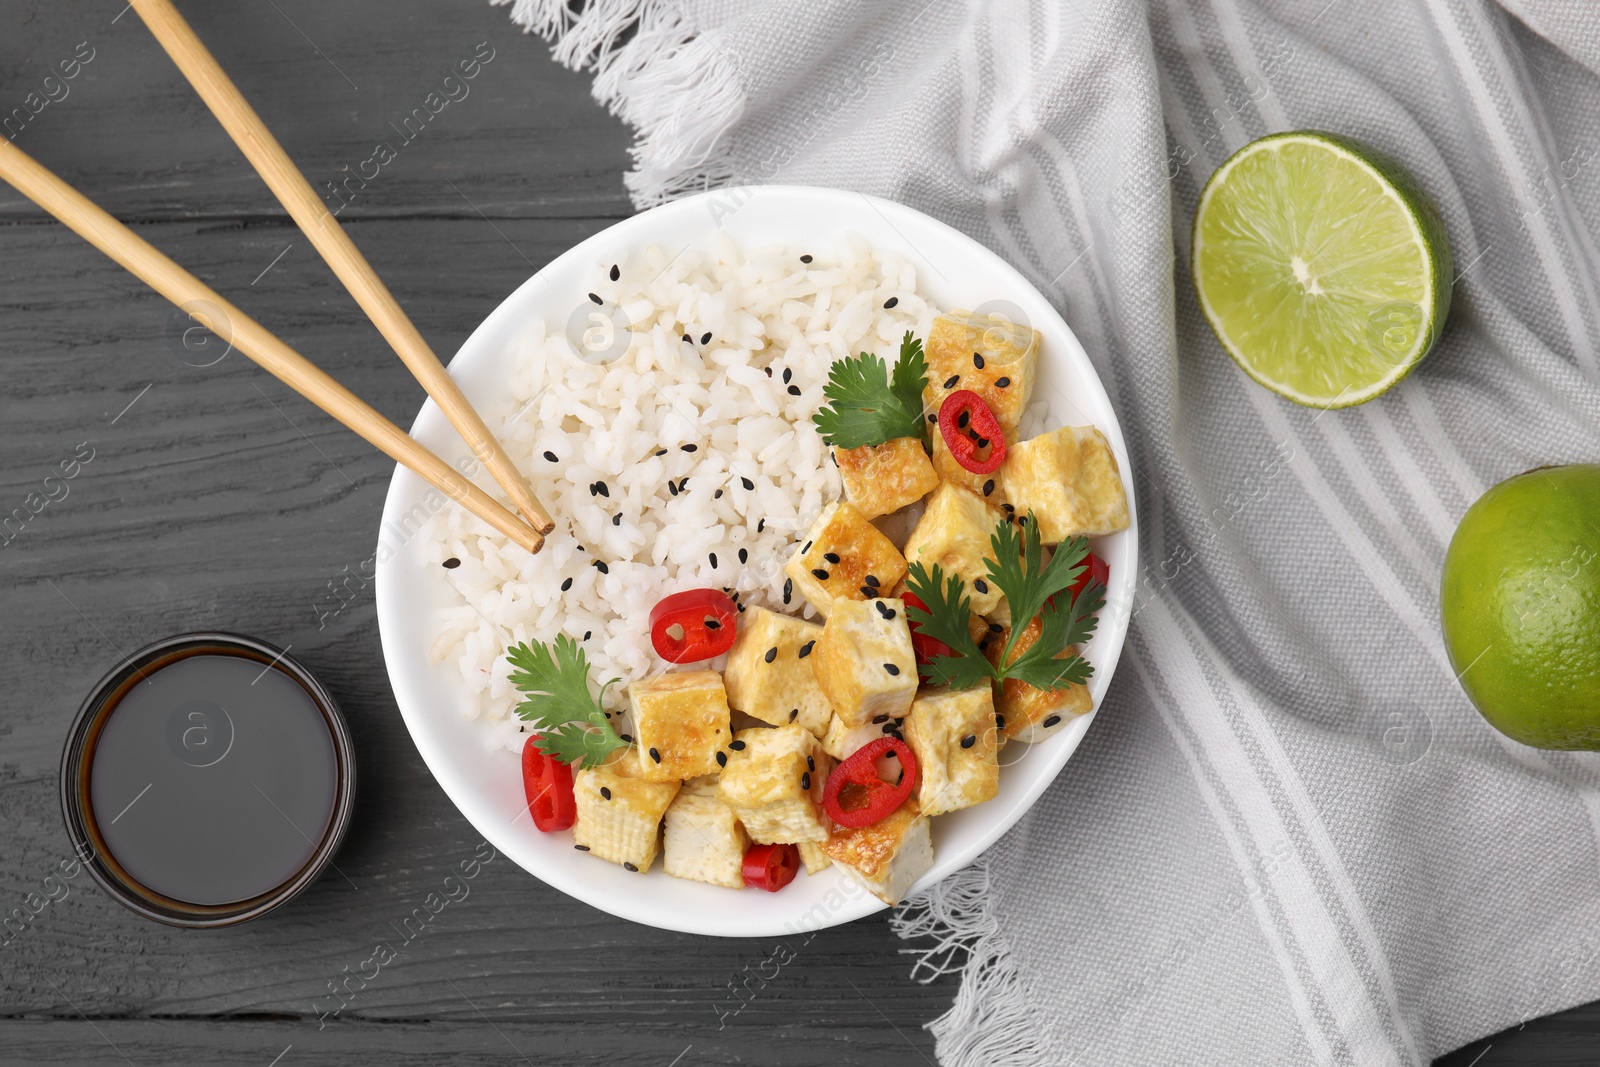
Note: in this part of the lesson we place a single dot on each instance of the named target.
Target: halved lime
(1322, 266)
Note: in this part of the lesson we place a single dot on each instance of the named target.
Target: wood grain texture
(216, 498)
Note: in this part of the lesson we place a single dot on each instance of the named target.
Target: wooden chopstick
(318, 223)
(207, 307)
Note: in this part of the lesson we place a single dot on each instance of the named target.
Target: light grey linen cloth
(1288, 837)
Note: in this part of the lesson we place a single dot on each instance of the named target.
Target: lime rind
(1378, 343)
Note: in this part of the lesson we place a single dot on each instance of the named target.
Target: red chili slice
(1095, 570)
(964, 420)
(548, 783)
(707, 619)
(925, 647)
(771, 867)
(856, 796)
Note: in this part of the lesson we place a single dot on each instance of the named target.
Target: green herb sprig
(571, 724)
(868, 405)
(1029, 586)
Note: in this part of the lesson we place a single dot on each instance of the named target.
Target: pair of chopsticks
(216, 314)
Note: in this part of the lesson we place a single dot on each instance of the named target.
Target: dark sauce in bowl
(208, 780)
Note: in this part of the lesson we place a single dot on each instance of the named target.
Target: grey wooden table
(216, 498)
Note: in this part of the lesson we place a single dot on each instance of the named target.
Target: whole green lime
(1520, 604)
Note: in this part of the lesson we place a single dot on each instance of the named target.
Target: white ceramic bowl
(954, 271)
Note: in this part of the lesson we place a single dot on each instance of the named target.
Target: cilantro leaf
(946, 621)
(1038, 664)
(867, 407)
(1016, 571)
(571, 724)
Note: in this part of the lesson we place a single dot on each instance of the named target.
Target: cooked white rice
(767, 313)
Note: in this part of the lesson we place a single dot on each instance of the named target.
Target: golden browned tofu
(680, 722)
(948, 470)
(879, 479)
(954, 736)
(1069, 479)
(813, 857)
(888, 856)
(773, 782)
(1027, 713)
(864, 661)
(954, 532)
(841, 556)
(990, 355)
(842, 739)
(768, 675)
(703, 839)
(619, 813)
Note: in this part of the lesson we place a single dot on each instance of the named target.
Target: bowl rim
(95, 711)
(1114, 618)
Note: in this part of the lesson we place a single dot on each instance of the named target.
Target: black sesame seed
(988, 487)
(683, 483)
(969, 741)
(811, 764)
(996, 628)
(767, 371)
(737, 746)
(581, 848)
(793, 390)
(596, 298)
(879, 719)
(872, 580)
(805, 259)
(983, 442)
(566, 585)
(772, 654)
(688, 340)
(787, 374)
(883, 609)
(1010, 508)
(831, 557)
(868, 591)
(582, 549)
(655, 755)
(600, 565)
(451, 564)
(805, 649)
(616, 272)
(760, 526)
(952, 381)
(631, 867)
(672, 487)
(592, 490)
(805, 547)
(980, 585)
(627, 738)
(722, 759)
(977, 360)
(1001, 383)
(551, 456)
(891, 302)
(605, 490)
(717, 495)
(616, 520)
(984, 644)
(891, 668)
(966, 417)
(744, 555)
(705, 338)
(1051, 721)
(805, 779)
(794, 713)
(892, 754)
(746, 482)
(820, 574)
(605, 792)
(661, 451)
(588, 634)
(889, 728)
(689, 448)
(788, 589)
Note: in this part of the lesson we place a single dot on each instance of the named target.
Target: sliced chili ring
(706, 621)
(962, 434)
(855, 795)
(925, 647)
(771, 867)
(548, 785)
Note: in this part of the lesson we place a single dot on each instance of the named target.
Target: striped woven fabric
(1288, 837)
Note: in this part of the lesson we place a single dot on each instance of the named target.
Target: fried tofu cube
(1069, 479)
(864, 661)
(813, 857)
(880, 479)
(954, 532)
(704, 840)
(842, 739)
(680, 721)
(773, 782)
(1028, 713)
(948, 470)
(767, 674)
(956, 743)
(888, 856)
(837, 557)
(988, 354)
(619, 812)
